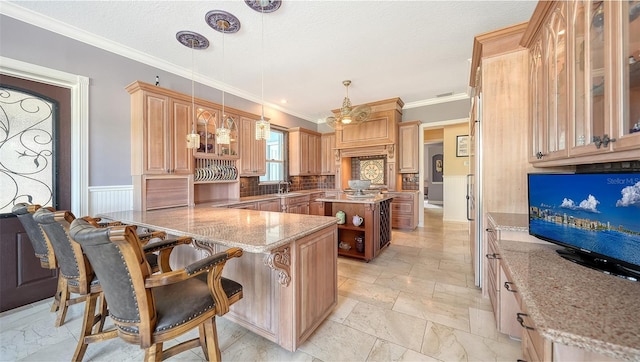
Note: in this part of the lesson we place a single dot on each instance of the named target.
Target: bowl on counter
(359, 184)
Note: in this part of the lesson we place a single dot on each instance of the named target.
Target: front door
(35, 141)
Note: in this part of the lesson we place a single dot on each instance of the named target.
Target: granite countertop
(574, 305)
(510, 222)
(253, 231)
(267, 197)
(344, 198)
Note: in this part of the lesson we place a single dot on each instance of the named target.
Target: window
(275, 157)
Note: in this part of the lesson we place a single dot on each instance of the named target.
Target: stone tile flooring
(415, 302)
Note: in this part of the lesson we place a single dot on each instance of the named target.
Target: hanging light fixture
(223, 22)
(348, 114)
(194, 41)
(263, 128)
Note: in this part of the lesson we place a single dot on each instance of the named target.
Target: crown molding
(432, 101)
(58, 27)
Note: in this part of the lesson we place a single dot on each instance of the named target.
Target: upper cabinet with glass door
(549, 86)
(594, 82)
(626, 112)
(218, 135)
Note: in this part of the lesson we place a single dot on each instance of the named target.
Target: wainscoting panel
(455, 201)
(110, 198)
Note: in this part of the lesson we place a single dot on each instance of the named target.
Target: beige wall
(431, 135)
(454, 166)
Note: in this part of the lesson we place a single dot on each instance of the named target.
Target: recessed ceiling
(415, 50)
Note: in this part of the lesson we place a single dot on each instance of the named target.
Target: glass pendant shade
(223, 136)
(263, 128)
(193, 140)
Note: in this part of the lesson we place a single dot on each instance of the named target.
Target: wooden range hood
(376, 137)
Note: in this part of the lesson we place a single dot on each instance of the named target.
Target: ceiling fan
(348, 114)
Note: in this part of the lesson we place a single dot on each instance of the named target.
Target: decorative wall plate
(192, 39)
(222, 21)
(264, 6)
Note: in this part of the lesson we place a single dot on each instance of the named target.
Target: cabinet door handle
(493, 256)
(507, 286)
(521, 321)
(489, 230)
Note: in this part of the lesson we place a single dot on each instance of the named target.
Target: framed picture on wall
(462, 146)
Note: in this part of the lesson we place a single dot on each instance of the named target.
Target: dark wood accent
(23, 280)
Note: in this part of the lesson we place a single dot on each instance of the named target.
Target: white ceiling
(414, 50)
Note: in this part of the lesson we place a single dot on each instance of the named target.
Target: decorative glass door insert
(27, 149)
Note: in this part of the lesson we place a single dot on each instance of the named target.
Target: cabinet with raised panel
(252, 152)
(327, 154)
(408, 137)
(304, 152)
(158, 130)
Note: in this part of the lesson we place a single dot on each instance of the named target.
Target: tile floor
(415, 302)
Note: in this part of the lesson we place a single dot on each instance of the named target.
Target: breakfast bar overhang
(288, 271)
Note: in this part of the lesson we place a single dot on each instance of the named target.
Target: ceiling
(415, 50)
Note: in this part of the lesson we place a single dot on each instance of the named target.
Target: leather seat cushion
(178, 303)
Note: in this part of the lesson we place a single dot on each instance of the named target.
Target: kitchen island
(288, 271)
(361, 240)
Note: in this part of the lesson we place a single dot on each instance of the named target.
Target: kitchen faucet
(283, 190)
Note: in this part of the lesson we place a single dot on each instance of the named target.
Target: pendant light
(223, 22)
(263, 128)
(194, 41)
(223, 134)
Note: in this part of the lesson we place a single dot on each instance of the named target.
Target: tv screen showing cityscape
(598, 213)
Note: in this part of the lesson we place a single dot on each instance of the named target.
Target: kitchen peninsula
(374, 229)
(288, 271)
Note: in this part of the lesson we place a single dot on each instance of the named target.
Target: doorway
(433, 181)
(36, 169)
(438, 138)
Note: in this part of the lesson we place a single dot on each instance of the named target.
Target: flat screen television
(595, 217)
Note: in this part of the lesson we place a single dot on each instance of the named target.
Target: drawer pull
(521, 321)
(493, 256)
(507, 286)
(489, 230)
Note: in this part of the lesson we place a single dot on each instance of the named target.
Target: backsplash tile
(250, 186)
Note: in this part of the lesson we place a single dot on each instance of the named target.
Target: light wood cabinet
(585, 82)
(509, 304)
(380, 129)
(408, 138)
(404, 209)
(328, 154)
(252, 152)
(316, 207)
(269, 205)
(161, 119)
(304, 152)
(159, 128)
(295, 204)
(503, 292)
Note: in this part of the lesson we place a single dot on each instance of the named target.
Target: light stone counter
(510, 222)
(574, 305)
(289, 271)
(344, 198)
(253, 231)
